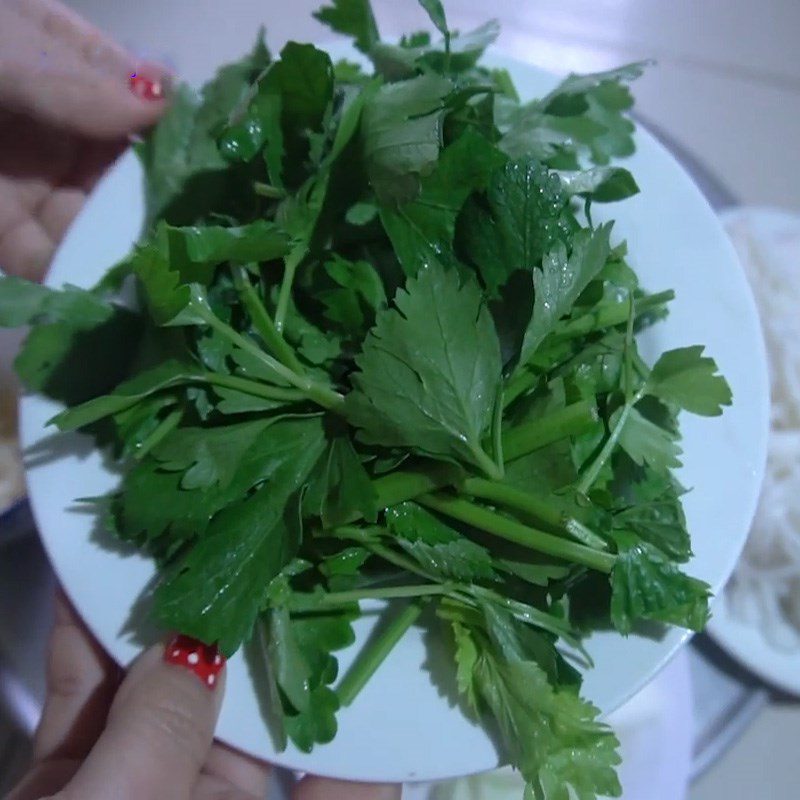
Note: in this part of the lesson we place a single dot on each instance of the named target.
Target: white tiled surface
(727, 87)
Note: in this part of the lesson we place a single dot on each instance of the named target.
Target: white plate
(777, 233)
(401, 728)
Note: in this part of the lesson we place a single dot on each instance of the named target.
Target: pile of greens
(378, 349)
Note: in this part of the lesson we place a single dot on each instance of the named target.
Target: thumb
(160, 727)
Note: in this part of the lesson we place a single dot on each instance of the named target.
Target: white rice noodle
(765, 590)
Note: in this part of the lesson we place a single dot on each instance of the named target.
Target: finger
(60, 69)
(238, 770)
(27, 250)
(78, 100)
(159, 728)
(313, 788)
(81, 682)
(62, 205)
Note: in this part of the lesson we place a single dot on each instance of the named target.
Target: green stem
(387, 554)
(485, 463)
(323, 395)
(447, 53)
(593, 470)
(291, 263)
(165, 427)
(530, 615)
(254, 388)
(357, 534)
(583, 533)
(502, 494)
(402, 485)
(606, 317)
(628, 360)
(590, 475)
(538, 507)
(521, 382)
(521, 611)
(610, 316)
(516, 532)
(263, 323)
(497, 432)
(389, 593)
(654, 300)
(399, 486)
(641, 366)
(268, 190)
(375, 653)
(571, 420)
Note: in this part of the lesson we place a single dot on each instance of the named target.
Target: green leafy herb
(423, 229)
(439, 550)
(525, 215)
(561, 280)
(689, 379)
(583, 115)
(402, 130)
(554, 737)
(647, 586)
(171, 301)
(341, 489)
(185, 172)
(26, 303)
(217, 590)
(436, 13)
(352, 18)
(601, 184)
(429, 370)
(455, 54)
(647, 443)
(213, 244)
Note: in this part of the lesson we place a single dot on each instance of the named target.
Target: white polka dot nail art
(204, 661)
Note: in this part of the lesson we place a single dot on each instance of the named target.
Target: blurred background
(724, 95)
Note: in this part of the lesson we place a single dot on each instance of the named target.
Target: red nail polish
(204, 660)
(146, 88)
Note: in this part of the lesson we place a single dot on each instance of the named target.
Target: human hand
(147, 736)
(66, 112)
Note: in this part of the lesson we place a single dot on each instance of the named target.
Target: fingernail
(204, 660)
(147, 88)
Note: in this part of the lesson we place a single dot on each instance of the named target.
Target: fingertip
(162, 720)
(205, 662)
(150, 82)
